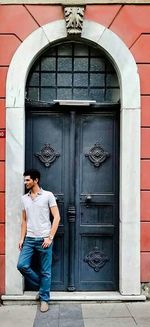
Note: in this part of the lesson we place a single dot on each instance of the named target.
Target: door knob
(88, 198)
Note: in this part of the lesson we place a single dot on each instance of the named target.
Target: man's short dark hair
(33, 173)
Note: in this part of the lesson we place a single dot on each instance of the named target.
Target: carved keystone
(74, 19)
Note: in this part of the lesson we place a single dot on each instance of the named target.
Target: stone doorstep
(32, 297)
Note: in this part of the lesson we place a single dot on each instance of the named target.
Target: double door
(76, 151)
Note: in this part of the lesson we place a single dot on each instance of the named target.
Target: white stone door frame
(129, 219)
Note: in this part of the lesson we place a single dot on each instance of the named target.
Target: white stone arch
(129, 248)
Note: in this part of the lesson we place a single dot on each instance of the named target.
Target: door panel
(96, 129)
(51, 129)
(77, 155)
(96, 214)
(97, 193)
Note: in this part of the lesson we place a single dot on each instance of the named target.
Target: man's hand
(47, 242)
(20, 245)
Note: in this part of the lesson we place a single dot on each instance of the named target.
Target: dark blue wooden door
(97, 201)
(77, 153)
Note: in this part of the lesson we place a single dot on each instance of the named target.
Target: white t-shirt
(38, 213)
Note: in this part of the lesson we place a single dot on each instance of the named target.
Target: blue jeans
(42, 281)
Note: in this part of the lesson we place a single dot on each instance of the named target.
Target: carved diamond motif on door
(97, 155)
(47, 155)
(96, 259)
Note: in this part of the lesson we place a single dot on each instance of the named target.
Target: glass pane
(97, 80)
(81, 79)
(48, 94)
(64, 94)
(48, 79)
(81, 50)
(65, 64)
(33, 79)
(36, 66)
(95, 53)
(64, 79)
(33, 93)
(80, 94)
(112, 95)
(109, 67)
(97, 95)
(50, 52)
(111, 80)
(48, 64)
(65, 50)
(97, 64)
(81, 64)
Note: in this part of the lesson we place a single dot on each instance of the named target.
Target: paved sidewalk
(135, 314)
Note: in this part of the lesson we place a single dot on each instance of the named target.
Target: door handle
(88, 198)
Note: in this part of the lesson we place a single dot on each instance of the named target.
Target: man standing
(37, 234)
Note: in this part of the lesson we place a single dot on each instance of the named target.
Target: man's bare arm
(54, 227)
(23, 229)
(56, 220)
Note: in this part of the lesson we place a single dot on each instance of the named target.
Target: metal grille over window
(73, 71)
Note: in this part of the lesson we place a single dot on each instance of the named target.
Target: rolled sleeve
(52, 200)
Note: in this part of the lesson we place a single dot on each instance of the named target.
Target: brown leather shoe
(44, 306)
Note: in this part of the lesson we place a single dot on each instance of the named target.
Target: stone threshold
(32, 297)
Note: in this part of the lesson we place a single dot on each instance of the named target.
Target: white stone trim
(27, 297)
(129, 259)
(25, 56)
(74, 2)
(121, 58)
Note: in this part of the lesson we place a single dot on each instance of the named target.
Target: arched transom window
(72, 71)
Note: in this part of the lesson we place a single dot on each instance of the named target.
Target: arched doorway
(129, 186)
(76, 148)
